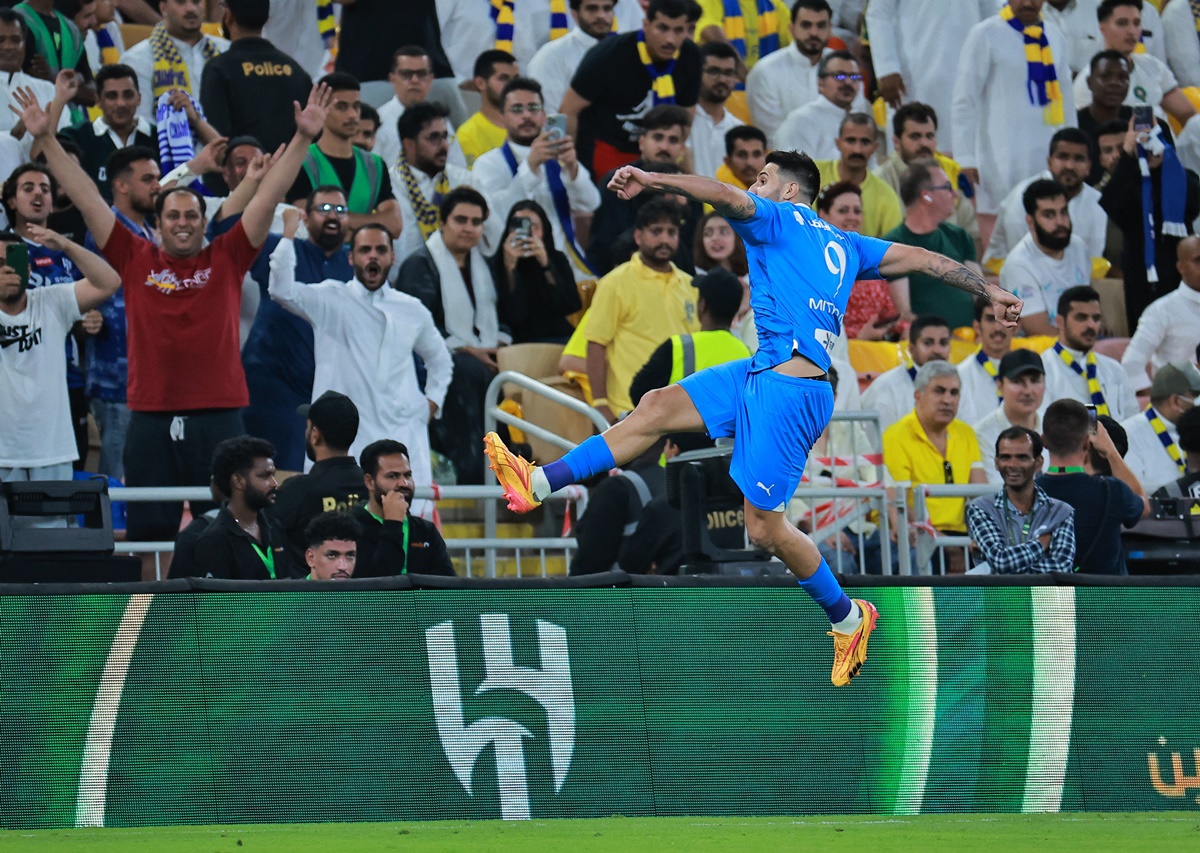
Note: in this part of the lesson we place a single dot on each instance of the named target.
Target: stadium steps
(506, 567)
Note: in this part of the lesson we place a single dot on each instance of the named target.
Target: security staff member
(335, 482)
(720, 296)
(395, 542)
(249, 89)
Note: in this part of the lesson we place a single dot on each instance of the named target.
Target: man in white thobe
(364, 337)
(999, 133)
(786, 79)
(1169, 329)
(555, 62)
(412, 78)
(980, 394)
(1154, 454)
(1182, 42)
(521, 168)
(915, 50)
(891, 393)
(814, 128)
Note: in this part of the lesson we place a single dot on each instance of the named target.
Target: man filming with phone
(537, 161)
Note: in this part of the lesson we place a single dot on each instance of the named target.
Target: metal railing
(940, 543)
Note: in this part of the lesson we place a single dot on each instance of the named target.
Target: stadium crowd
(302, 244)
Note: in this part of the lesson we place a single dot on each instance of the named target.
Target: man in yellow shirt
(745, 156)
(857, 141)
(486, 130)
(638, 306)
(930, 445)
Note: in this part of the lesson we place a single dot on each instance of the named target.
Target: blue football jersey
(801, 273)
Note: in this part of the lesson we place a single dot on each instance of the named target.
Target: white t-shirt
(35, 418)
(1039, 279)
(1149, 80)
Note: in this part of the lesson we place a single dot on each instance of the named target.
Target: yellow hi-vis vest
(699, 350)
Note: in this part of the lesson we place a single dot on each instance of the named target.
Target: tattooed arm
(728, 201)
(901, 260)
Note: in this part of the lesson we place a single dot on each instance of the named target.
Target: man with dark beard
(394, 542)
(243, 542)
(278, 354)
(364, 337)
(1048, 260)
(334, 483)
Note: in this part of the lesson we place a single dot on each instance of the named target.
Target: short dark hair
(800, 168)
(916, 180)
(1108, 55)
(1106, 8)
(743, 133)
(161, 201)
(70, 8)
(1016, 433)
(114, 72)
(8, 16)
(1041, 190)
(486, 62)
(1064, 426)
(812, 6)
(251, 14)
(413, 51)
(981, 307)
(369, 113)
(461, 195)
(668, 8)
(1189, 431)
(1081, 293)
(121, 161)
(341, 81)
(9, 191)
(368, 460)
(665, 115)
(521, 84)
(721, 291)
(925, 321)
(521, 209)
(321, 190)
(823, 65)
(1111, 127)
(828, 193)
(1072, 136)
(658, 210)
(417, 117)
(331, 527)
(717, 50)
(368, 226)
(236, 456)
(913, 111)
(858, 119)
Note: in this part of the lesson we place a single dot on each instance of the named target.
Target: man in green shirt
(928, 197)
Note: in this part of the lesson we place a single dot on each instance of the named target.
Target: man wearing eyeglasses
(931, 446)
(814, 127)
(555, 62)
(412, 78)
(718, 76)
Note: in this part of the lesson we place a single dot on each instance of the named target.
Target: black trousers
(458, 433)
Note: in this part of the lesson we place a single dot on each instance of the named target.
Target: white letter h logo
(549, 686)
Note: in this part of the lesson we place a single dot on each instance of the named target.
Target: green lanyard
(1067, 469)
(268, 558)
(404, 524)
(1010, 527)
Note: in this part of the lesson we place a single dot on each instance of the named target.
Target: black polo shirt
(381, 551)
(249, 90)
(333, 485)
(98, 147)
(224, 550)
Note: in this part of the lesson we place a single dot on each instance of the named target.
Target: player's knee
(764, 529)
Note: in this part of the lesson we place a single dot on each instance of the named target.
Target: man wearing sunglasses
(814, 127)
(931, 446)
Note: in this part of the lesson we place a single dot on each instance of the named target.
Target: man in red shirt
(186, 385)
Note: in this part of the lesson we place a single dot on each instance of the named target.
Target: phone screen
(556, 126)
(1143, 118)
(1091, 410)
(17, 257)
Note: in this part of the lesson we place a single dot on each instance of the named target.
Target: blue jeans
(112, 419)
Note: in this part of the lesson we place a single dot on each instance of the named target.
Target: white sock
(853, 619)
(539, 484)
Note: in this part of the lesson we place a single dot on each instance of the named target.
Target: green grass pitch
(1093, 833)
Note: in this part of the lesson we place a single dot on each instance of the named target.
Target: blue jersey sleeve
(764, 226)
(870, 255)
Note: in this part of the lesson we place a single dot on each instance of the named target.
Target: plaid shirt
(1026, 556)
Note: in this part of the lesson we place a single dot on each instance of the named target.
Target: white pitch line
(93, 766)
(922, 699)
(1052, 611)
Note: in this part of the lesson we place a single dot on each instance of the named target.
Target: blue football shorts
(774, 419)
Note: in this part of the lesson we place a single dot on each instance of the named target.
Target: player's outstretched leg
(526, 485)
(852, 621)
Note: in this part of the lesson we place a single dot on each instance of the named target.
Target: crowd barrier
(179, 704)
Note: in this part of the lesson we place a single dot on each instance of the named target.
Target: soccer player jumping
(778, 402)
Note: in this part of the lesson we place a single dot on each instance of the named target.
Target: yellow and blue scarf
(170, 72)
(502, 13)
(768, 27)
(326, 23)
(1093, 381)
(1041, 79)
(109, 55)
(661, 82)
(1168, 443)
(1174, 201)
(425, 210)
(991, 370)
(562, 204)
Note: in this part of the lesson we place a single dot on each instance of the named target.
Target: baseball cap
(1018, 361)
(335, 415)
(239, 141)
(1178, 377)
(721, 290)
